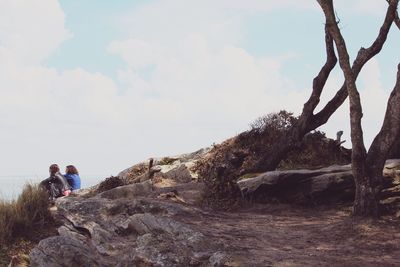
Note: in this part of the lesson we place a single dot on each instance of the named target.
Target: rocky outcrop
(326, 185)
(300, 186)
(144, 222)
(130, 230)
(178, 168)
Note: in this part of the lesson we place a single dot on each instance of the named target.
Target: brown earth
(280, 235)
(21, 247)
(291, 235)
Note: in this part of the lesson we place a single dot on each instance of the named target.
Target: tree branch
(320, 80)
(363, 56)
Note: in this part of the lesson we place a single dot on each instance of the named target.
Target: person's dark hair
(71, 170)
(53, 169)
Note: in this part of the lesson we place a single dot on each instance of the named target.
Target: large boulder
(327, 185)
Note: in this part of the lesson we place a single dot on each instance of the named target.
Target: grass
(24, 221)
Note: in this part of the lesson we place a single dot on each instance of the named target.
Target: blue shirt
(74, 181)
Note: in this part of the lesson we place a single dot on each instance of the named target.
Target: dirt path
(285, 235)
(289, 236)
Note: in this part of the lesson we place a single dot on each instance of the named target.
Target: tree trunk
(366, 202)
(367, 167)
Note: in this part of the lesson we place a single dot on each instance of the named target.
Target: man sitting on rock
(56, 185)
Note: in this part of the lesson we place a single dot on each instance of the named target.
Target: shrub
(237, 158)
(273, 122)
(24, 216)
(110, 183)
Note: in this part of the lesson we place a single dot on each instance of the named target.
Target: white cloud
(228, 85)
(189, 55)
(31, 30)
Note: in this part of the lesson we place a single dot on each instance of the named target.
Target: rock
(177, 168)
(218, 259)
(65, 251)
(180, 174)
(327, 185)
(129, 191)
(392, 169)
(125, 226)
(300, 186)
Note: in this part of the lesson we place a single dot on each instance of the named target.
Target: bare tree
(309, 121)
(367, 166)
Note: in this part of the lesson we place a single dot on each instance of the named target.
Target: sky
(106, 84)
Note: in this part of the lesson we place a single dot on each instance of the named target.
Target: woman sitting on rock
(72, 175)
(56, 185)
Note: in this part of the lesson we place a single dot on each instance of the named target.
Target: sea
(11, 186)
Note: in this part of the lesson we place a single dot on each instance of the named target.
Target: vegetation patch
(110, 183)
(237, 157)
(24, 222)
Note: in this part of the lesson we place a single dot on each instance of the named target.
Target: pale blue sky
(95, 24)
(105, 84)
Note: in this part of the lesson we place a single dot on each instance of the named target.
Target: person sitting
(56, 185)
(72, 176)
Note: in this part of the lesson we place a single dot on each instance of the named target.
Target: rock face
(326, 185)
(129, 231)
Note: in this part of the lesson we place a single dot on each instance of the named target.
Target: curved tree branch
(320, 80)
(285, 143)
(363, 56)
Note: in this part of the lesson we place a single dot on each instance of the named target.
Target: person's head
(70, 169)
(54, 169)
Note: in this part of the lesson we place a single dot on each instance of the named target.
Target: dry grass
(23, 222)
(28, 213)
